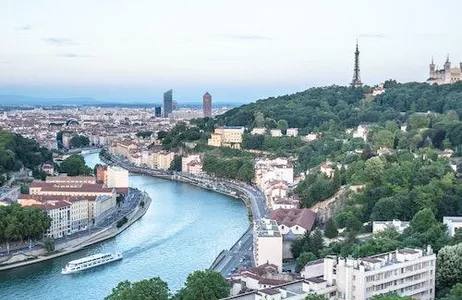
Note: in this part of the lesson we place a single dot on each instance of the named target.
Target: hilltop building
(447, 75)
(207, 104)
(227, 136)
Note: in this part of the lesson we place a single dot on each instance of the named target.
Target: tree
(204, 285)
(148, 289)
(374, 169)
(449, 262)
(383, 138)
(331, 229)
(303, 259)
(259, 120)
(336, 180)
(176, 163)
(49, 244)
(316, 242)
(455, 293)
(315, 297)
(75, 165)
(283, 125)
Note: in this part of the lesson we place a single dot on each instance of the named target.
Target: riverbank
(227, 260)
(211, 185)
(37, 256)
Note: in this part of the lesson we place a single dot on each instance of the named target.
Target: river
(183, 230)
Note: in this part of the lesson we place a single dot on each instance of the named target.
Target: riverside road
(240, 255)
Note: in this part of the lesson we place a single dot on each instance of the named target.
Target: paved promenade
(73, 245)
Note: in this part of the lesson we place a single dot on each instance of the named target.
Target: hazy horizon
(239, 51)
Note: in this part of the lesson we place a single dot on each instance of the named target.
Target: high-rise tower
(168, 103)
(207, 104)
(356, 82)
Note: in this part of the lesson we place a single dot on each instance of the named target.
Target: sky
(239, 50)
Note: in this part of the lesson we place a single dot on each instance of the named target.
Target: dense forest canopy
(17, 151)
(311, 109)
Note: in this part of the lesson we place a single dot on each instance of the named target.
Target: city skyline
(134, 52)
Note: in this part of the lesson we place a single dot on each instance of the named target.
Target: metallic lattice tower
(356, 82)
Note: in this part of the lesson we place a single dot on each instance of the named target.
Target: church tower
(432, 69)
(356, 82)
(447, 64)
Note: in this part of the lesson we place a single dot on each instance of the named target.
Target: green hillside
(17, 151)
(313, 108)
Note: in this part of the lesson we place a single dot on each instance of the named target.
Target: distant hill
(344, 106)
(26, 100)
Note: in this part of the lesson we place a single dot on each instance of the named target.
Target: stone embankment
(77, 244)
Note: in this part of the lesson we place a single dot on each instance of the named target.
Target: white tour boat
(90, 262)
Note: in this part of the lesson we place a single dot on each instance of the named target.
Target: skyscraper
(168, 103)
(158, 112)
(207, 104)
(356, 82)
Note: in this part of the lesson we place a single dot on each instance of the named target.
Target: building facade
(117, 177)
(267, 243)
(158, 112)
(228, 136)
(447, 75)
(407, 272)
(207, 105)
(168, 103)
(453, 224)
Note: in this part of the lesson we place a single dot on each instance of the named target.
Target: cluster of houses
(76, 203)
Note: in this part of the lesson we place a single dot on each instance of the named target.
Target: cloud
(371, 36)
(5, 62)
(59, 41)
(73, 55)
(24, 28)
(254, 37)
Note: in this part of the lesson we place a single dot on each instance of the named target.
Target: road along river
(184, 230)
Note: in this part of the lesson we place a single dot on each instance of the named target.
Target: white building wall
(117, 177)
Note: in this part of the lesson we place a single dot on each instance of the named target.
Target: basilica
(447, 75)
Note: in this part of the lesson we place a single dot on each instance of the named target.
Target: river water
(183, 230)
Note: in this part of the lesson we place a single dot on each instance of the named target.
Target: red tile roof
(290, 217)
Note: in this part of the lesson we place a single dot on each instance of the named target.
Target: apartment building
(267, 171)
(162, 160)
(407, 272)
(292, 132)
(71, 179)
(399, 226)
(227, 136)
(453, 224)
(116, 177)
(267, 243)
(191, 164)
(79, 209)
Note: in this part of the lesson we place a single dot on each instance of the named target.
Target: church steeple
(356, 82)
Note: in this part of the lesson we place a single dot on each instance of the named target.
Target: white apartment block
(60, 214)
(399, 226)
(278, 169)
(102, 207)
(117, 177)
(258, 130)
(453, 224)
(407, 272)
(292, 132)
(267, 243)
(276, 132)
